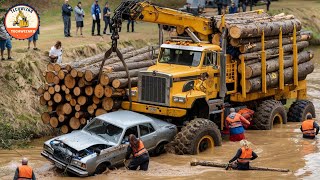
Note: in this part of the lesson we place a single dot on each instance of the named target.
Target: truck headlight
(179, 99)
(78, 164)
(133, 92)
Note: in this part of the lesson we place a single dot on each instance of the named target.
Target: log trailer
(195, 83)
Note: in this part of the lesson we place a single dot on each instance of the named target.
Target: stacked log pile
(244, 41)
(73, 92)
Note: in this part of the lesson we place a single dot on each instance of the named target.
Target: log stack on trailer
(246, 31)
(73, 92)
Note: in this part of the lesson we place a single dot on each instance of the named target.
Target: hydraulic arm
(202, 27)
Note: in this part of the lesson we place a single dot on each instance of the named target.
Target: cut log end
(74, 123)
(45, 117)
(104, 80)
(64, 129)
(99, 91)
(235, 32)
(100, 112)
(54, 122)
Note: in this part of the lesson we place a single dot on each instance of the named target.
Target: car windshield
(179, 56)
(107, 131)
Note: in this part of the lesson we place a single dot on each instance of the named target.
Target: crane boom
(202, 27)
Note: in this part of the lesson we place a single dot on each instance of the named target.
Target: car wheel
(101, 168)
(159, 149)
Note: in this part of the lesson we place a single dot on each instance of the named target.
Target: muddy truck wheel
(197, 136)
(268, 113)
(299, 110)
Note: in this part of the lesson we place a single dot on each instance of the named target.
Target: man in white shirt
(55, 53)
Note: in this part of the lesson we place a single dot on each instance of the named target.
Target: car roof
(124, 118)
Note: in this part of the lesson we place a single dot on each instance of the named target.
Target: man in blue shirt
(233, 8)
(96, 17)
(66, 13)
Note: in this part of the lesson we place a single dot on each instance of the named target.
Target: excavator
(195, 83)
(21, 23)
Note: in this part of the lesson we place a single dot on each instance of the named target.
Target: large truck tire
(299, 110)
(268, 113)
(197, 136)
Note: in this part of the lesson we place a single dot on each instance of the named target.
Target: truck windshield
(180, 57)
(103, 129)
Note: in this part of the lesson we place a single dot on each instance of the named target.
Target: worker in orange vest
(139, 153)
(24, 172)
(244, 156)
(235, 123)
(308, 127)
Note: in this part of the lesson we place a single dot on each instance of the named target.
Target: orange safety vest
(25, 172)
(246, 155)
(234, 120)
(140, 150)
(308, 128)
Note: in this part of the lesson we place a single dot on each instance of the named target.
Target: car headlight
(179, 99)
(133, 92)
(78, 164)
(48, 149)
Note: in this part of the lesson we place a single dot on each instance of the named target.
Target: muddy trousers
(142, 161)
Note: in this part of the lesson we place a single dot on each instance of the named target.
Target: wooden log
(54, 122)
(59, 109)
(67, 109)
(90, 110)
(42, 101)
(74, 73)
(77, 91)
(45, 117)
(100, 111)
(223, 165)
(122, 83)
(50, 108)
(89, 90)
(83, 121)
(107, 103)
(304, 69)
(69, 81)
(96, 100)
(46, 96)
(57, 98)
(57, 88)
(254, 70)
(73, 102)
(112, 92)
(78, 114)
(244, 41)
(133, 65)
(216, 39)
(252, 47)
(77, 107)
(64, 129)
(92, 59)
(50, 76)
(51, 90)
(270, 28)
(61, 118)
(46, 86)
(40, 90)
(67, 91)
(50, 103)
(123, 74)
(68, 97)
(274, 51)
(82, 100)
(99, 90)
(50, 67)
(80, 74)
(104, 80)
(56, 67)
(56, 80)
(63, 87)
(62, 73)
(94, 106)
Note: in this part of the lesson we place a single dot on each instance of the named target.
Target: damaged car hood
(80, 140)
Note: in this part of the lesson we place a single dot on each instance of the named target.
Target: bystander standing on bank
(34, 39)
(79, 15)
(66, 14)
(5, 42)
(106, 18)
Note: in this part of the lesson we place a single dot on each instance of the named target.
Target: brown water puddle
(281, 147)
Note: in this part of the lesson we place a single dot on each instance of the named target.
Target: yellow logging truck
(194, 83)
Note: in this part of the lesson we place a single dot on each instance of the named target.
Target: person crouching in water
(235, 121)
(139, 153)
(308, 126)
(244, 156)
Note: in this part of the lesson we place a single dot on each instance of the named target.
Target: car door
(148, 135)
(125, 142)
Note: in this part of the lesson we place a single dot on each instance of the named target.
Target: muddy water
(281, 147)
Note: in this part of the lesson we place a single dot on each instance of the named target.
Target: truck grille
(154, 89)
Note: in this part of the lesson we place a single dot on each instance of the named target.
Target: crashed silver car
(104, 141)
